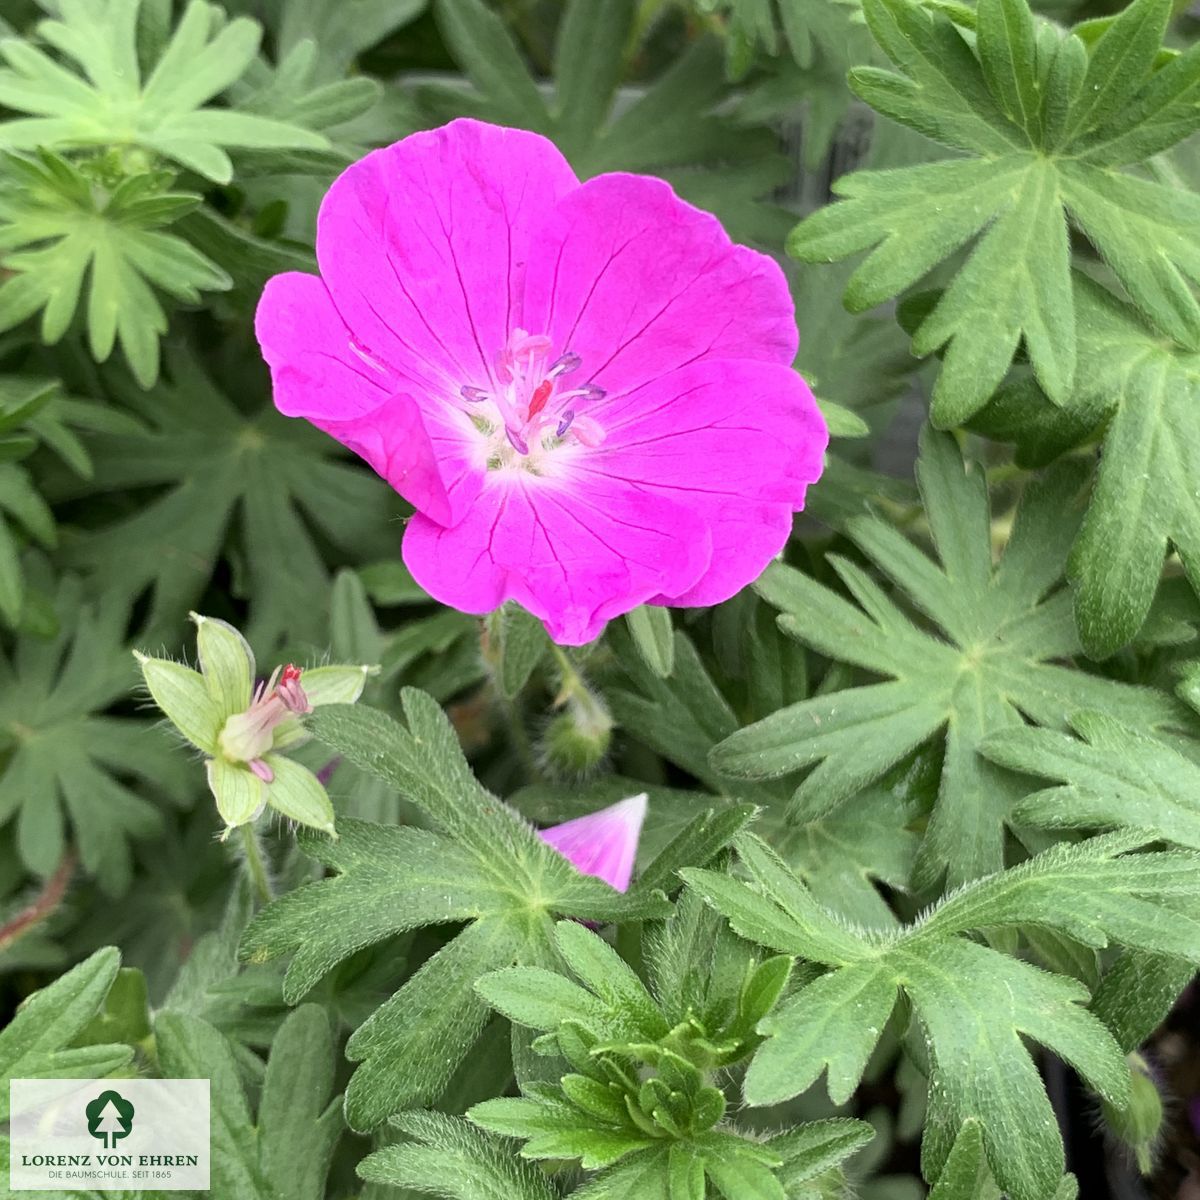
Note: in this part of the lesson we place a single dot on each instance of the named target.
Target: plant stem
(256, 867)
(575, 688)
(42, 905)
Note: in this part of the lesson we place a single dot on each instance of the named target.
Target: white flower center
(531, 409)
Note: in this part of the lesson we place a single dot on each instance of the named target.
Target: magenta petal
(319, 374)
(424, 246)
(757, 431)
(637, 283)
(603, 843)
(574, 555)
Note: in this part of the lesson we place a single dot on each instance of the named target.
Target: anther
(472, 394)
(565, 423)
(565, 364)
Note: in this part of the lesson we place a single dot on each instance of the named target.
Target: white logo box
(73, 1134)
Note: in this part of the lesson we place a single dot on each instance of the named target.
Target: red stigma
(540, 396)
(291, 674)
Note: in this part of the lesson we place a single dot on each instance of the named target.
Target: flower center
(532, 408)
(247, 736)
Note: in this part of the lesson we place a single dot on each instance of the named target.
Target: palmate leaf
(1047, 125)
(60, 230)
(992, 663)
(673, 130)
(485, 865)
(67, 763)
(103, 100)
(260, 479)
(972, 1002)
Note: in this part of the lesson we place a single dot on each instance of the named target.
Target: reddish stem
(44, 903)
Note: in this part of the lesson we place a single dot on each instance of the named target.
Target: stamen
(262, 770)
(528, 401)
(565, 364)
(589, 392)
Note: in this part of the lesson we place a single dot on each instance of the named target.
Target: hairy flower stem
(574, 687)
(256, 866)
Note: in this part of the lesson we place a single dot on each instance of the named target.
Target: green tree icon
(109, 1118)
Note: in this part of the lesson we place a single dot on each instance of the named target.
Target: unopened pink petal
(424, 246)
(575, 556)
(603, 843)
(639, 283)
(737, 442)
(320, 373)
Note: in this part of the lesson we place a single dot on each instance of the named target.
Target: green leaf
(56, 229)
(681, 717)
(679, 128)
(36, 1043)
(252, 478)
(65, 762)
(993, 666)
(1035, 117)
(974, 1003)
(1109, 777)
(450, 1158)
(109, 103)
(815, 1147)
(832, 1024)
(388, 880)
(522, 646)
(408, 1049)
(650, 628)
(1142, 501)
(298, 1124)
(965, 1174)
(342, 32)
(287, 1149)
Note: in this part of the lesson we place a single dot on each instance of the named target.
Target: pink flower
(603, 843)
(584, 390)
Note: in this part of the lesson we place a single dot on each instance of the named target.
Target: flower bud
(576, 741)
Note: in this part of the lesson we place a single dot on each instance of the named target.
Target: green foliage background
(924, 802)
